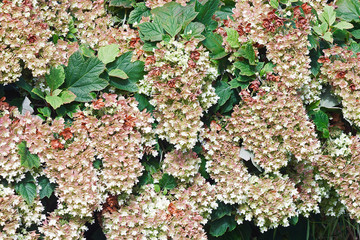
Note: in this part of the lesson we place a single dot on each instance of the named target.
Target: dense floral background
(187, 119)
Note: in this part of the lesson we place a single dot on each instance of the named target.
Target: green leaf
(143, 102)
(121, 3)
(27, 159)
(86, 51)
(157, 188)
(224, 12)
(274, 3)
(188, 15)
(47, 188)
(134, 70)
(221, 211)
(149, 46)
(118, 73)
(294, 220)
(324, 27)
(356, 34)
(151, 31)
(343, 25)
(220, 226)
(97, 164)
(232, 37)
(82, 76)
(108, 53)
(206, 12)
(259, 66)
(194, 29)
(268, 68)
(140, 11)
(167, 182)
(67, 96)
(313, 42)
(38, 92)
(213, 42)
(235, 83)
(348, 10)
(321, 121)
(56, 92)
(145, 179)
(328, 15)
(245, 69)
(45, 111)
(318, 30)
(355, 47)
(202, 168)
(328, 37)
(56, 77)
(54, 101)
(170, 16)
(26, 188)
(223, 90)
(247, 51)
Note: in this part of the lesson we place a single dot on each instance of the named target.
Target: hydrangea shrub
(181, 119)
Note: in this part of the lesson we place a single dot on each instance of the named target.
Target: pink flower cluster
(275, 127)
(16, 213)
(341, 69)
(182, 165)
(342, 174)
(27, 26)
(118, 137)
(25, 30)
(179, 83)
(153, 216)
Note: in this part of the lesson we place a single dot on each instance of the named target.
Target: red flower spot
(55, 144)
(66, 134)
(98, 104)
(195, 55)
(134, 41)
(306, 8)
(341, 74)
(32, 38)
(150, 60)
(323, 60)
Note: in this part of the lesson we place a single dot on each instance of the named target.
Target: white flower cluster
(340, 146)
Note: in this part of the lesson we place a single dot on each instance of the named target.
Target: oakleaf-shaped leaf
(151, 31)
(27, 159)
(247, 51)
(140, 11)
(245, 69)
(348, 10)
(220, 226)
(221, 211)
(108, 53)
(223, 90)
(167, 182)
(56, 77)
(26, 188)
(82, 76)
(47, 188)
